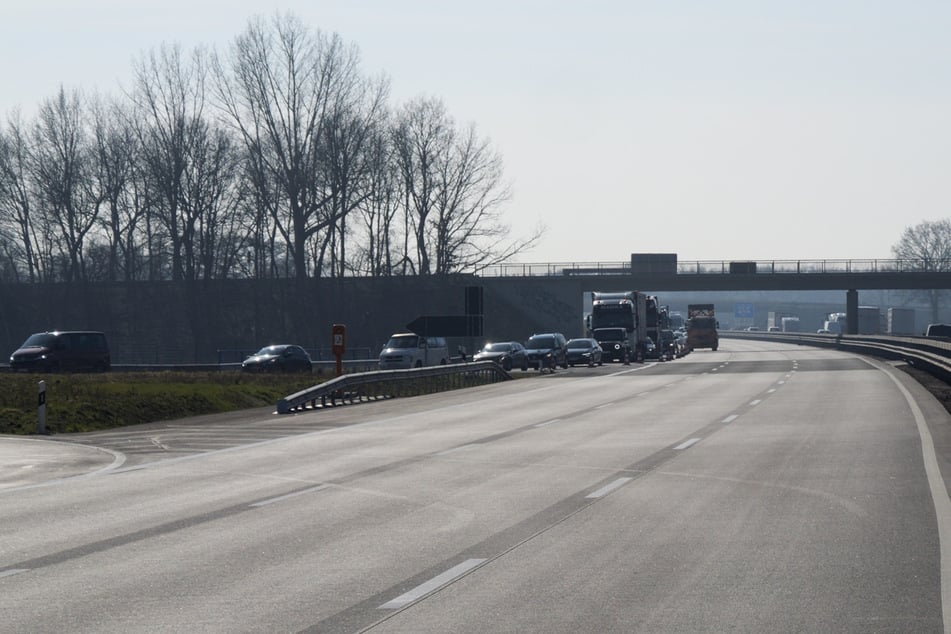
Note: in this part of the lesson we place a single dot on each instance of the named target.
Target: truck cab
(615, 343)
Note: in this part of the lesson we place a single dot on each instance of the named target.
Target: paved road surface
(764, 487)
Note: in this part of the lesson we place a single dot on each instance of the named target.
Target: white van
(406, 350)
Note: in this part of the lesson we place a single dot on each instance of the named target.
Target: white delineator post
(41, 402)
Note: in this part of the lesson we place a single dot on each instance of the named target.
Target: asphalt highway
(762, 487)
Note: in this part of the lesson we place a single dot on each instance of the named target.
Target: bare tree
(17, 212)
(422, 142)
(468, 231)
(380, 208)
(454, 192)
(927, 247)
(115, 148)
(278, 89)
(60, 168)
(170, 100)
(211, 204)
(352, 122)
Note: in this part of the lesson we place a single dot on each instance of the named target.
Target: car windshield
(579, 343)
(409, 341)
(540, 342)
(270, 351)
(497, 347)
(42, 340)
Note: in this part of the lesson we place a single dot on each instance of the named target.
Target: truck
(676, 320)
(790, 324)
(618, 321)
(702, 327)
(870, 320)
(835, 323)
(774, 320)
(656, 321)
(901, 321)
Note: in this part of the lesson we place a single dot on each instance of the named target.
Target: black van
(78, 351)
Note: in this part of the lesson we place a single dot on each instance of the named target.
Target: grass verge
(89, 402)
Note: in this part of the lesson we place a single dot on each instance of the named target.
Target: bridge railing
(719, 267)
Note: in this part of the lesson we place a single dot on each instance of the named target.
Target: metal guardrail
(930, 354)
(391, 383)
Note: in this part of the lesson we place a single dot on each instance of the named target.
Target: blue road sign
(744, 311)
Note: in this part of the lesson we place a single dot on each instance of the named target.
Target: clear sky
(717, 130)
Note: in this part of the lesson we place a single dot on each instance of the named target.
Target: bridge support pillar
(852, 312)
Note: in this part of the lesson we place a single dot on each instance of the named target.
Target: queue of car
(548, 351)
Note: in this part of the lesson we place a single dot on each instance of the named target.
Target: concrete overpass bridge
(568, 280)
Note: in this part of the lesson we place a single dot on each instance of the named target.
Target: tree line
(278, 158)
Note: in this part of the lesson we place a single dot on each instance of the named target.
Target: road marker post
(41, 404)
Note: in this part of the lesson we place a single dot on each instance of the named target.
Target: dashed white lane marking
(290, 495)
(432, 585)
(756, 402)
(605, 405)
(771, 390)
(600, 493)
(13, 571)
(548, 422)
(687, 443)
(731, 418)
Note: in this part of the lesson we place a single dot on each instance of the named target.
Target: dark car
(508, 354)
(648, 349)
(62, 351)
(547, 350)
(278, 358)
(583, 350)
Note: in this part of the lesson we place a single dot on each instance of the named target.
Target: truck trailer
(901, 321)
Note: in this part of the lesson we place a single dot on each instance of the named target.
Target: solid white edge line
(939, 495)
(600, 493)
(289, 495)
(433, 584)
(13, 571)
(687, 443)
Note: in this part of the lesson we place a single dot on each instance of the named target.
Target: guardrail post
(41, 403)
